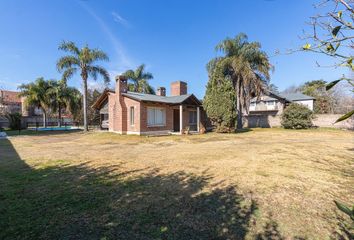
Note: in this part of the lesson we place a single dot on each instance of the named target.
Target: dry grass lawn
(261, 184)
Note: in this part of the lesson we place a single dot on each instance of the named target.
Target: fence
(321, 120)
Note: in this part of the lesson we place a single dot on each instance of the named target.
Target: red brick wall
(119, 114)
(143, 117)
(178, 88)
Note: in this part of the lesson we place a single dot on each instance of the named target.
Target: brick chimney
(178, 88)
(161, 91)
(121, 84)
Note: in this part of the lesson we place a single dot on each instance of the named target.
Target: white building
(276, 103)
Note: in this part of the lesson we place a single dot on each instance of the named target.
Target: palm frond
(94, 71)
(69, 46)
(97, 54)
(129, 74)
(68, 73)
(67, 62)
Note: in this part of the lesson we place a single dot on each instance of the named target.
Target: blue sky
(175, 39)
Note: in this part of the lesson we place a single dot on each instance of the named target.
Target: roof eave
(100, 100)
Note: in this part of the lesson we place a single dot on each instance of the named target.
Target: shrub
(14, 120)
(297, 116)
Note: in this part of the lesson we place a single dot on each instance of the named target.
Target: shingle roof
(10, 96)
(156, 98)
(297, 96)
(149, 98)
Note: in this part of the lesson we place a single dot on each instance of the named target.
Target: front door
(176, 120)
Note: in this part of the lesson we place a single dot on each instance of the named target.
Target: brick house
(10, 101)
(127, 112)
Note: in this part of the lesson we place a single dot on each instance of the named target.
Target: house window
(156, 116)
(270, 103)
(192, 117)
(131, 115)
(253, 104)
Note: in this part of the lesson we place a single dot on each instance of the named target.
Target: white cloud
(119, 19)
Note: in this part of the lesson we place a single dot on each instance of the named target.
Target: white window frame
(132, 116)
(155, 124)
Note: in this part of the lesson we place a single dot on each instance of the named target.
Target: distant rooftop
(297, 96)
(10, 96)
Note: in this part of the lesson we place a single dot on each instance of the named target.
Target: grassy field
(260, 184)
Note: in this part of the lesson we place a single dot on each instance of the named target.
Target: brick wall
(321, 120)
(178, 88)
(327, 120)
(144, 117)
(119, 114)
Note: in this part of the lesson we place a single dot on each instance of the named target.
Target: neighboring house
(145, 114)
(277, 103)
(265, 111)
(10, 102)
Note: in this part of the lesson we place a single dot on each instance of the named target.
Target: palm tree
(38, 94)
(65, 97)
(139, 79)
(82, 60)
(247, 66)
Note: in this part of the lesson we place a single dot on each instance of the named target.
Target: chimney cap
(181, 82)
(121, 77)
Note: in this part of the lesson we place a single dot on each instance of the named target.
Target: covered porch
(187, 116)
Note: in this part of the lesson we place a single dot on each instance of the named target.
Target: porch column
(198, 119)
(181, 119)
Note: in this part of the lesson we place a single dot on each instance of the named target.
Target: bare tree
(332, 35)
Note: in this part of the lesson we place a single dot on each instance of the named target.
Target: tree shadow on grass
(344, 229)
(79, 202)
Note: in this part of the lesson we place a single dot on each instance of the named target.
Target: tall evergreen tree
(220, 102)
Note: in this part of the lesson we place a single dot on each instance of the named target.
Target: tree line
(55, 95)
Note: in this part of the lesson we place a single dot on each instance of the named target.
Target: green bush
(297, 116)
(14, 120)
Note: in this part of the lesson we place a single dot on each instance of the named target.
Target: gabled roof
(297, 96)
(143, 97)
(269, 96)
(102, 99)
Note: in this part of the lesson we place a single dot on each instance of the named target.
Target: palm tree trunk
(84, 78)
(239, 108)
(59, 116)
(44, 118)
